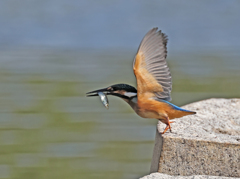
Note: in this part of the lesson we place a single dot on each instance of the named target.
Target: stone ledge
(207, 143)
(164, 176)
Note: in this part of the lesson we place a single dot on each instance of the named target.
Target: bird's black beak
(106, 91)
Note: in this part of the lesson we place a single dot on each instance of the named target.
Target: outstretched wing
(150, 66)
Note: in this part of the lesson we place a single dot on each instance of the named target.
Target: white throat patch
(130, 94)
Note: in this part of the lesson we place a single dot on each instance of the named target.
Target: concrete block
(207, 143)
(164, 176)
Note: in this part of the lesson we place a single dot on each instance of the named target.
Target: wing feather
(150, 66)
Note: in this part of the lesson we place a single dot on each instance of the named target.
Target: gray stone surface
(156, 152)
(207, 143)
(164, 176)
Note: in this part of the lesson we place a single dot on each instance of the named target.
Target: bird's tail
(180, 113)
(181, 110)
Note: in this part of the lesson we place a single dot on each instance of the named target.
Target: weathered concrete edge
(165, 176)
(200, 140)
(156, 152)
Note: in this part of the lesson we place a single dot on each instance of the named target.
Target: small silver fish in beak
(104, 99)
(102, 93)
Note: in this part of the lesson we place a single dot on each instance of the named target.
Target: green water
(49, 129)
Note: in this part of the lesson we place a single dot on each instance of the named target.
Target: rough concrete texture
(207, 143)
(164, 176)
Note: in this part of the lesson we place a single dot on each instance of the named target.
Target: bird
(154, 82)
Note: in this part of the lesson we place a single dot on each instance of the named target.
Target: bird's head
(123, 91)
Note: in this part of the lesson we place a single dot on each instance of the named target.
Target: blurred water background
(53, 52)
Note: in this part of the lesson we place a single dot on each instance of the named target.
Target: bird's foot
(168, 127)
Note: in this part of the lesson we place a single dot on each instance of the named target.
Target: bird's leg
(165, 130)
(168, 125)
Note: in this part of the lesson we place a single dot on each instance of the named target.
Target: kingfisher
(154, 82)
